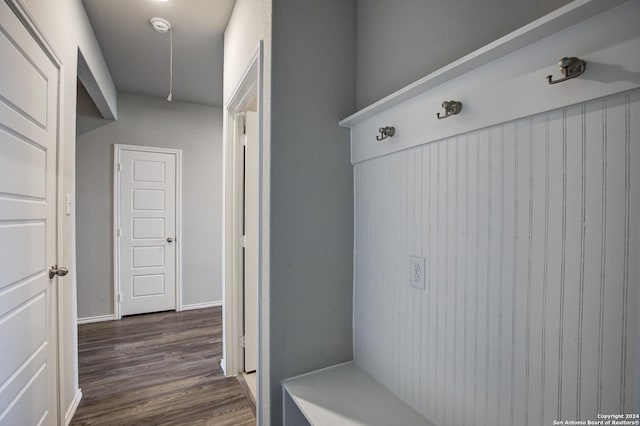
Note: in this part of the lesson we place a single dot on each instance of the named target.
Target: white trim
(73, 407)
(201, 305)
(570, 14)
(248, 88)
(98, 318)
(117, 149)
(512, 86)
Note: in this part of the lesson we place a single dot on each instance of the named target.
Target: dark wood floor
(158, 369)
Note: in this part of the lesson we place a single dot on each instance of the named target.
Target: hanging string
(170, 97)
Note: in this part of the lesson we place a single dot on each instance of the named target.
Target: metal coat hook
(570, 68)
(386, 132)
(450, 108)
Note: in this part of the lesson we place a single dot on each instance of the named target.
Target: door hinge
(119, 298)
(119, 232)
(243, 241)
(119, 167)
(243, 342)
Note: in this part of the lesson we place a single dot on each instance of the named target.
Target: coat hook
(386, 132)
(450, 108)
(570, 68)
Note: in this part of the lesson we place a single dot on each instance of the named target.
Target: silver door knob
(169, 240)
(54, 270)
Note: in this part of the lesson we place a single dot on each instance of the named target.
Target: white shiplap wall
(530, 231)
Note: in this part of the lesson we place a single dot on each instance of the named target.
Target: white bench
(344, 395)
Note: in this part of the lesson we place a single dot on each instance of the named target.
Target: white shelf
(346, 395)
(513, 84)
(570, 14)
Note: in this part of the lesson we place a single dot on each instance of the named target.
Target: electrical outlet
(416, 272)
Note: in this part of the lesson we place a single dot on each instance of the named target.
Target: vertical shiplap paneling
(431, 276)
(616, 193)
(471, 266)
(437, 225)
(460, 259)
(595, 179)
(554, 257)
(494, 275)
(571, 297)
(523, 146)
(530, 234)
(632, 394)
(450, 281)
(482, 244)
(627, 245)
(506, 303)
(536, 284)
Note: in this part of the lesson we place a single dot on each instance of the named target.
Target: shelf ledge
(570, 14)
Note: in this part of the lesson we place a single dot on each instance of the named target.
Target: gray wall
(403, 40)
(311, 279)
(148, 121)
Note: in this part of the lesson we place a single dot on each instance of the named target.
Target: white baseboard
(201, 305)
(73, 407)
(99, 318)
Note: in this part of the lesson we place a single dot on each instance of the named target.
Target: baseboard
(73, 407)
(99, 318)
(201, 305)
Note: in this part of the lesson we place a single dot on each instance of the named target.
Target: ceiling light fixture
(160, 25)
(163, 26)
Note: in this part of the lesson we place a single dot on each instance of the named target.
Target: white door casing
(146, 228)
(249, 91)
(29, 90)
(251, 181)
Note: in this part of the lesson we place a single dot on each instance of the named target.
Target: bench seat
(346, 395)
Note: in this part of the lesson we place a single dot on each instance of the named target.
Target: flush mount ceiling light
(163, 26)
(160, 25)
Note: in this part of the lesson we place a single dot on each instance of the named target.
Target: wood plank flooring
(158, 369)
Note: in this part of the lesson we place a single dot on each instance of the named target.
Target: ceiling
(138, 56)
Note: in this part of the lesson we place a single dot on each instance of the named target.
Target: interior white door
(147, 221)
(251, 242)
(28, 298)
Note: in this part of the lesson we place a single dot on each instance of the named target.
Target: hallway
(160, 369)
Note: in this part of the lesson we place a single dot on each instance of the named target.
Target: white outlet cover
(417, 272)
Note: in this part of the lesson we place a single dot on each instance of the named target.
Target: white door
(251, 242)
(147, 229)
(28, 150)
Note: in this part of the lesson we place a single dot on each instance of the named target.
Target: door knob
(169, 239)
(54, 270)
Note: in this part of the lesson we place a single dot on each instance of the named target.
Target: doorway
(146, 224)
(243, 227)
(250, 240)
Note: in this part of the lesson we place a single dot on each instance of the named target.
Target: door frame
(249, 88)
(117, 150)
(24, 15)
